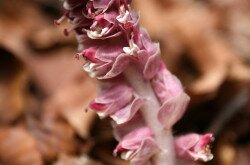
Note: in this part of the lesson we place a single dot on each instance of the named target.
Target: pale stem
(149, 110)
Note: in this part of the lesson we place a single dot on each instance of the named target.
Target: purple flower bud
(194, 147)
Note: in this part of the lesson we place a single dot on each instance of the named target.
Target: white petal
(123, 18)
(133, 49)
(89, 67)
(127, 155)
(96, 34)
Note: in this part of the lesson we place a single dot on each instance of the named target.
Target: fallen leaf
(13, 81)
(71, 102)
(17, 147)
(53, 137)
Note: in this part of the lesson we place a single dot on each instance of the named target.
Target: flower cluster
(111, 41)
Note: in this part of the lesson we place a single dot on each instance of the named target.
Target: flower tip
(97, 106)
(89, 54)
(60, 20)
(207, 138)
(56, 22)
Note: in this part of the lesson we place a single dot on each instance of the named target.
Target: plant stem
(149, 110)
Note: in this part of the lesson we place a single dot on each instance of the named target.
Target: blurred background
(44, 93)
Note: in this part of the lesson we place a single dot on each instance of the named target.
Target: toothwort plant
(143, 99)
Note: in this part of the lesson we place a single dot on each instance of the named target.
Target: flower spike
(143, 99)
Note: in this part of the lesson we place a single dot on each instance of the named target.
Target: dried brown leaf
(13, 80)
(53, 137)
(71, 102)
(17, 147)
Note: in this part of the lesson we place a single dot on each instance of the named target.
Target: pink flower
(111, 24)
(99, 19)
(107, 59)
(194, 147)
(127, 18)
(145, 53)
(119, 102)
(104, 26)
(104, 60)
(171, 95)
(96, 7)
(138, 146)
(166, 85)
